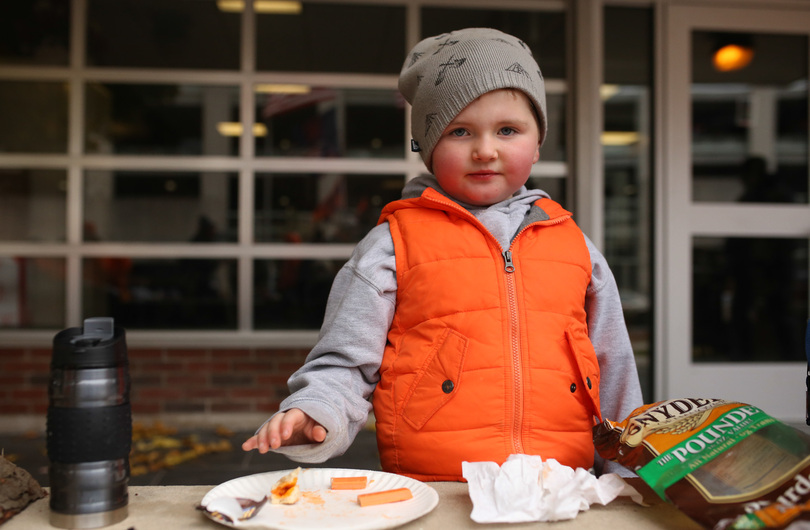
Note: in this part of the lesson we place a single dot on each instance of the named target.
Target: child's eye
(507, 131)
(458, 132)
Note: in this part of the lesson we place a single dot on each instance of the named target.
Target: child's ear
(536, 154)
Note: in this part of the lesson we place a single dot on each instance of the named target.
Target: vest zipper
(514, 344)
(514, 320)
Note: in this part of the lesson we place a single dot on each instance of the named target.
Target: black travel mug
(89, 430)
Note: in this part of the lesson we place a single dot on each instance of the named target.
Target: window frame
(246, 165)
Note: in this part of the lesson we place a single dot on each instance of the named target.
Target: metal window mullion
(247, 148)
(74, 195)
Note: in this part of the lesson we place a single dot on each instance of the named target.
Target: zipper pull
(508, 266)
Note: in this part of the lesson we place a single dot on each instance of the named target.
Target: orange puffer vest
(485, 359)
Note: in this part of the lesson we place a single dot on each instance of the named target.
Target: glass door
(735, 234)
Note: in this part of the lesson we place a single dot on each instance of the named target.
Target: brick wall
(165, 381)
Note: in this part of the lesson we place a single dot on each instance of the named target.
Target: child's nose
(484, 149)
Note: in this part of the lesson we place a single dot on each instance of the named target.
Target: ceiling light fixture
(619, 138)
(267, 7)
(234, 128)
(733, 52)
(282, 88)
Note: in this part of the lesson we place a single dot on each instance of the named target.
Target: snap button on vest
(573, 387)
(588, 381)
(447, 386)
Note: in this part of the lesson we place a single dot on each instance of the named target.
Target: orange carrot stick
(349, 483)
(384, 497)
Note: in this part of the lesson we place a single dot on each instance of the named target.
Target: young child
(478, 314)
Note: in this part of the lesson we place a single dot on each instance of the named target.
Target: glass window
(34, 116)
(555, 187)
(553, 149)
(185, 293)
(327, 208)
(298, 120)
(32, 204)
(32, 292)
(627, 151)
(331, 37)
(291, 294)
(162, 34)
(749, 299)
(137, 119)
(543, 31)
(35, 33)
(749, 120)
(160, 206)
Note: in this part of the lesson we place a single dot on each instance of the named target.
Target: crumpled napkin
(526, 488)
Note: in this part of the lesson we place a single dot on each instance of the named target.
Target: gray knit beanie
(444, 74)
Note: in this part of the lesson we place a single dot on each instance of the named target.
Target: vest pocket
(587, 363)
(437, 380)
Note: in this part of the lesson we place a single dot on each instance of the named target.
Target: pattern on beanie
(429, 120)
(448, 42)
(518, 69)
(451, 63)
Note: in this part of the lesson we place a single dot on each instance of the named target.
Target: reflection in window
(298, 120)
(555, 187)
(139, 119)
(34, 116)
(553, 149)
(758, 111)
(161, 34)
(332, 37)
(160, 206)
(185, 293)
(291, 294)
(32, 292)
(330, 208)
(749, 299)
(35, 33)
(32, 204)
(627, 153)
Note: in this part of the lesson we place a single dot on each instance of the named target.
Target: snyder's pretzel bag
(726, 465)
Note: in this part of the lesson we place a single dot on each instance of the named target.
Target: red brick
(254, 366)
(186, 381)
(232, 407)
(175, 355)
(207, 392)
(144, 354)
(41, 353)
(25, 366)
(145, 408)
(233, 354)
(33, 394)
(16, 408)
(151, 394)
(160, 367)
(254, 393)
(210, 367)
(231, 380)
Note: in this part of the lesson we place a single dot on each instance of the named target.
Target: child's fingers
(250, 444)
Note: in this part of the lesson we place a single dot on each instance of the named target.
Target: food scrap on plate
(285, 490)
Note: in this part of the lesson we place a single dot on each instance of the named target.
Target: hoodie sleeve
(334, 385)
(619, 388)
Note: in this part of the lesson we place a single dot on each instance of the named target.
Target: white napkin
(525, 488)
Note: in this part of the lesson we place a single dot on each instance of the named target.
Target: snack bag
(726, 465)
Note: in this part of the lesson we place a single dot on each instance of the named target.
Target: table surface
(164, 507)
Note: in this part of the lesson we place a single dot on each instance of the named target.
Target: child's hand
(286, 428)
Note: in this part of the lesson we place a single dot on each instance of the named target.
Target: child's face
(486, 153)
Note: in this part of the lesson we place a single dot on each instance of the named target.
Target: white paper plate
(321, 507)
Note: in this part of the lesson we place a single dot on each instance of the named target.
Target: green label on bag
(708, 443)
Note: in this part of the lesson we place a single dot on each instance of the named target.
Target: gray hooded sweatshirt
(335, 384)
